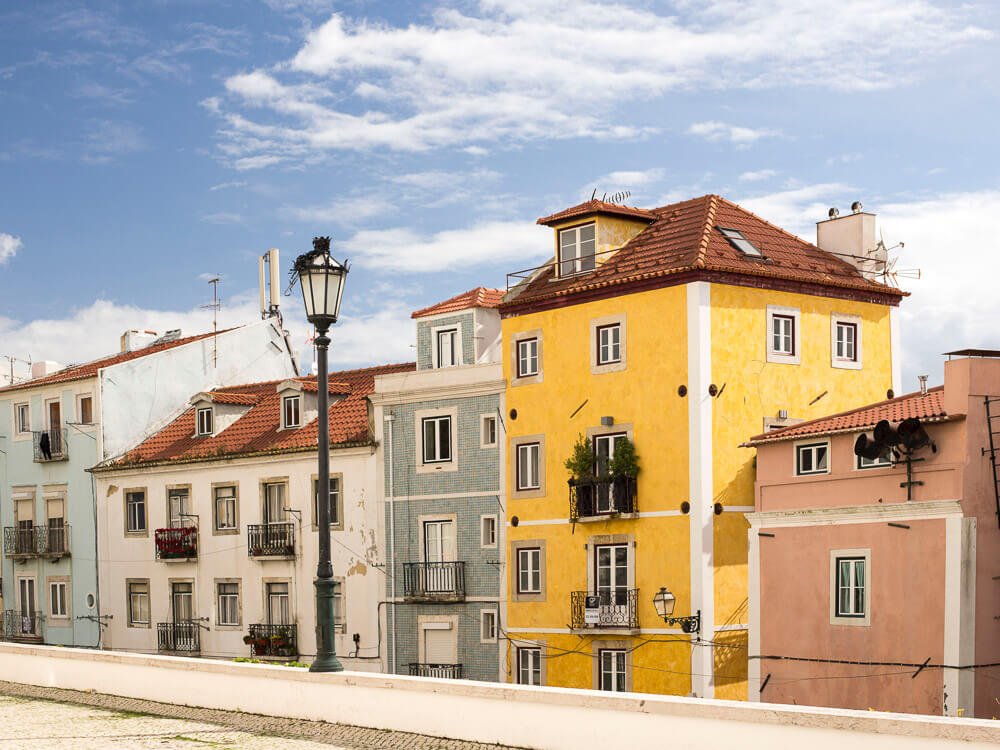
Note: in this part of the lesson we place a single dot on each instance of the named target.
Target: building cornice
(915, 511)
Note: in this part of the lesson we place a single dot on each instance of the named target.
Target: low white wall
(531, 717)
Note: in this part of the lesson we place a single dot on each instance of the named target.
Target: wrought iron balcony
(273, 640)
(50, 540)
(50, 445)
(176, 544)
(183, 636)
(434, 581)
(19, 625)
(447, 671)
(271, 540)
(599, 610)
(602, 497)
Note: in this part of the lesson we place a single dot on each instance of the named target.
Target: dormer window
(291, 410)
(577, 248)
(205, 421)
(446, 341)
(741, 243)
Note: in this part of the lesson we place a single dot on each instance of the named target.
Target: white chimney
(43, 368)
(135, 339)
(852, 239)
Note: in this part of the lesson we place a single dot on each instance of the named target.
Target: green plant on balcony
(624, 468)
(580, 465)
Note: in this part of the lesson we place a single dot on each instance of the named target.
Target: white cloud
(513, 70)
(9, 245)
(798, 209)
(230, 184)
(341, 211)
(107, 140)
(757, 175)
(223, 217)
(486, 243)
(713, 130)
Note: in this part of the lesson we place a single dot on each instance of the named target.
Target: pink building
(859, 577)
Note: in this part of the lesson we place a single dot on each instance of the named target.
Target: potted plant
(624, 468)
(580, 465)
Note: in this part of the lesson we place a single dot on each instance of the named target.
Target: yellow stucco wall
(644, 396)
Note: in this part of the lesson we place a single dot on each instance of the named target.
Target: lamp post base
(326, 655)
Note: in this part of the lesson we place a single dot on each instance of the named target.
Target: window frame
(521, 358)
(26, 423)
(144, 531)
(61, 582)
(286, 402)
(782, 335)
(624, 673)
(235, 528)
(514, 355)
(529, 568)
(336, 504)
(601, 361)
(858, 554)
(528, 449)
(494, 432)
(484, 539)
(219, 582)
(513, 467)
(489, 614)
(80, 398)
(578, 259)
(879, 464)
(735, 237)
(533, 664)
(436, 422)
(131, 622)
(798, 450)
(200, 421)
(454, 335)
(838, 320)
(777, 356)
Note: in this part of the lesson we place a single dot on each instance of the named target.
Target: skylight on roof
(741, 243)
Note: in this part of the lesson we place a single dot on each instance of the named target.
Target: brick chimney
(852, 238)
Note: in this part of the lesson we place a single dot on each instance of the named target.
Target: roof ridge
(706, 231)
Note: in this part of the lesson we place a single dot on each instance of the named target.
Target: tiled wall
(425, 344)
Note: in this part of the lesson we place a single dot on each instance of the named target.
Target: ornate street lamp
(322, 281)
(664, 602)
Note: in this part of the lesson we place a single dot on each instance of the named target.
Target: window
(205, 421)
(22, 418)
(812, 458)
(529, 666)
(274, 502)
(783, 334)
(57, 599)
(276, 596)
(577, 248)
(179, 507)
(135, 512)
(488, 626)
(609, 349)
(339, 614)
(488, 431)
(740, 242)
(225, 508)
(488, 531)
(527, 358)
(880, 462)
(334, 501)
(529, 570)
(291, 411)
(85, 410)
(527, 466)
(447, 343)
(611, 567)
(138, 604)
(437, 439)
(612, 662)
(850, 592)
(228, 604)
(845, 345)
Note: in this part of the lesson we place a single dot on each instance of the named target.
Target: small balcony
(445, 671)
(176, 544)
(271, 540)
(23, 542)
(50, 445)
(19, 625)
(182, 637)
(595, 498)
(604, 610)
(273, 641)
(434, 581)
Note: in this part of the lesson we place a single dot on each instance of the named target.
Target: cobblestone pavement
(35, 718)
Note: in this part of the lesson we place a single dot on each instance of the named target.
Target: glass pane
(821, 458)
(430, 454)
(444, 439)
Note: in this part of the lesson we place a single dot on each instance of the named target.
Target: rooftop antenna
(270, 284)
(214, 306)
(11, 361)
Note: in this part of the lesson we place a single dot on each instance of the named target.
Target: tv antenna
(214, 306)
(11, 361)
(616, 198)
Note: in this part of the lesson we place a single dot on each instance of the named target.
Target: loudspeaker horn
(885, 434)
(868, 448)
(912, 434)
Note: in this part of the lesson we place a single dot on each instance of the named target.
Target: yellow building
(686, 329)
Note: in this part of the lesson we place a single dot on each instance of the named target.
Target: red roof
(597, 207)
(90, 369)
(257, 430)
(927, 407)
(481, 296)
(685, 237)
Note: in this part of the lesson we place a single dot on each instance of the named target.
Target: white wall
(530, 717)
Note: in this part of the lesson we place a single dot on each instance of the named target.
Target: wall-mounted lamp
(664, 602)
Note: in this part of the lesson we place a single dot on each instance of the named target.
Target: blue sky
(145, 145)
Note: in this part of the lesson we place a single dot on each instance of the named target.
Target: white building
(207, 530)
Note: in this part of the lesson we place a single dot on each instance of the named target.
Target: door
(179, 508)
(439, 551)
(55, 427)
(440, 650)
(277, 604)
(24, 543)
(25, 619)
(604, 449)
(55, 525)
(612, 575)
(274, 503)
(182, 610)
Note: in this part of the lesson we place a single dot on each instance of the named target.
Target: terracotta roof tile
(597, 207)
(926, 407)
(685, 238)
(479, 297)
(257, 430)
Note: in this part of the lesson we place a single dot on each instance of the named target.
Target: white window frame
(486, 439)
(130, 610)
(235, 498)
(529, 663)
(238, 596)
(862, 620)
(529, 562)
(201, 423)
(879, 463)
(844, 363)
(435, 454)
(578, 260)
(489, 530)
(435, 464)
(488, 617)
(64, 613)
(454, 333)
(288, 403)
(611, 345)
(528, 357)
(781, 357)
(619, 658)
(514, 355)
(129, 531)
(812, 445)
(525, 452)
(18, 422)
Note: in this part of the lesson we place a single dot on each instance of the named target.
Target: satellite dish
(913, 436)
(885, 434)
(856, 207)
(833, 213)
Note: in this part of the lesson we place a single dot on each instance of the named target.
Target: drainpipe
(389, 418)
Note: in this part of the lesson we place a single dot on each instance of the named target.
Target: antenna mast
(269, 271)
(214, 306)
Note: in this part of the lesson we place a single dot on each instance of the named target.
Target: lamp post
(322, 281)
(664, 602)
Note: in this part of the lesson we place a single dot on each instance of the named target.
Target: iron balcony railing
(50, 445)
(176, 544)
(614, 608)
(183, 636)
(602, 497)
(20, 625)
(447, 671)
(569, 268)
(271, 540)
(273, 640)
(436, 581)
(50, 540)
